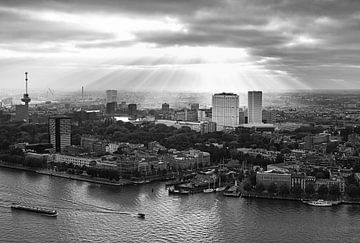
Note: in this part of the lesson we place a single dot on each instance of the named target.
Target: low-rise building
(273, 176)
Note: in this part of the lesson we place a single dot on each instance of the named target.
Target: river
(98, 213)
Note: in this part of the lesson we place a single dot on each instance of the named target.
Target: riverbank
(121, 182)
(254, 195)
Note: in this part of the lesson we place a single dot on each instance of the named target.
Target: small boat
(141, 215)
(209, 190)
(181, 191)
(319, 203)
(220, 189)
(233, 191)
(43, 211)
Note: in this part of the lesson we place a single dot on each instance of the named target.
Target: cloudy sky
(187, 45)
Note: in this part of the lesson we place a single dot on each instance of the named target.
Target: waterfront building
(301, 180)
(225, 110)
(273, 176)
(60, 132)
(111, 96)
(254, 107)
(75, 160)
(340, 182)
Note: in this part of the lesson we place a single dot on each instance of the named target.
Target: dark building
(111, 108)
(60, 132)
(165, 107)
(132, 109)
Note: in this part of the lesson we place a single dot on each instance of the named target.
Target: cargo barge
(40, 210)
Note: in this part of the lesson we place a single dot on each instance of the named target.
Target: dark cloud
(307, 39)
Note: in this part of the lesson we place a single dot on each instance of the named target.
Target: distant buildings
(60, 132)
(132, 109)
(255, 107)
(225, 110)
(165, 107)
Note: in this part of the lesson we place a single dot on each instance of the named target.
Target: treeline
(103, 173)
(19, 132)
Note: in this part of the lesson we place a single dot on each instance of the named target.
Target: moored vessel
(321, 203)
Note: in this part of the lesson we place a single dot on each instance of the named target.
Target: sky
(187, 45)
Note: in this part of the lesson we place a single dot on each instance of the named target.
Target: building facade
(60, 132)
(111, 96)
(254, 107)
(225, 110)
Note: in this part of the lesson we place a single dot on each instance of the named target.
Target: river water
(97, 213)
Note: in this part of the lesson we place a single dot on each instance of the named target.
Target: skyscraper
(255, 107)
(111, 96)
(60, 132)
(111, 101)
(225, 110)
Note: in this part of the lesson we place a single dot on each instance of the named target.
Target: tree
(323, 190)
(259, 187)
(309, 189)
(352, 190)
(297, 190)
(247, 186)
(334, 190)
(284, 189)
(272, 188)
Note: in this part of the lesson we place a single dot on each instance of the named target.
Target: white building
(255, 107)
(75, 160)
(225, 110)
(111, 96)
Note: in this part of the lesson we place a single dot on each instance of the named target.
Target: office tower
(255, 107)
(111, 108)
(165, 107)
(60, 132)
(111, 96)
(132, 109)
(225, 110)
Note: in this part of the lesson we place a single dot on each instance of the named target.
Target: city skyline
(201, 46)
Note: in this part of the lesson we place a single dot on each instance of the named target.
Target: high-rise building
(111, 108)
(60, 132)
(254, 107)
(225, 110)
(165, 107)
(111, 96)
(132, 109)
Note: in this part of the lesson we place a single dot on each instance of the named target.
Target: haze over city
(162, 45)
